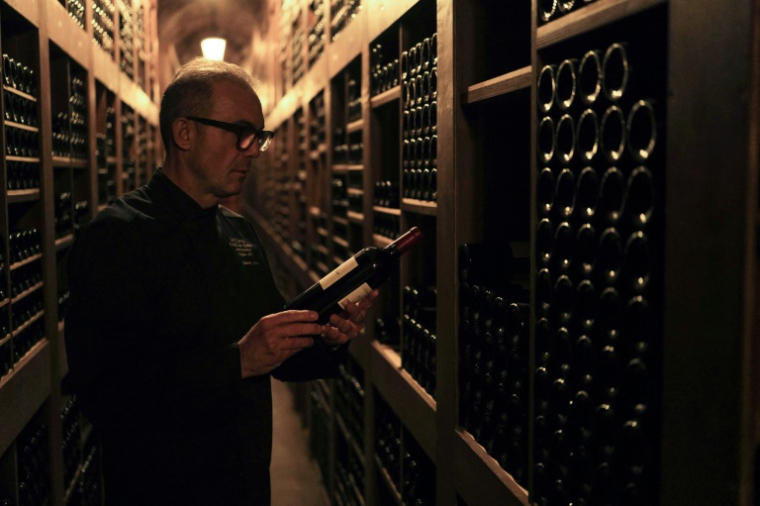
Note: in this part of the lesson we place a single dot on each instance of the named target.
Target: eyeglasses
(246, 134)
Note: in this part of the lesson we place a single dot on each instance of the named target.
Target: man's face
(217, 163)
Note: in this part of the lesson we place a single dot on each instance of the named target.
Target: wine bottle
(355, 278)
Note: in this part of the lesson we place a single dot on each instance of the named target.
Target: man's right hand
(275, 338)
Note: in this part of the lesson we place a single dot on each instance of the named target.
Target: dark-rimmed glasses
(246, 134)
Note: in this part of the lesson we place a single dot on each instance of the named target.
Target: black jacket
(161, 291)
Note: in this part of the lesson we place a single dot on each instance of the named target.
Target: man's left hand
(346, 326)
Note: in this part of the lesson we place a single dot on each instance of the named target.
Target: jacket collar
(180, 202)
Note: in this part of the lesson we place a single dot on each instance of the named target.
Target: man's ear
(181, 133)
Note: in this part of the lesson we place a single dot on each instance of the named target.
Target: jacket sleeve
(124, 367)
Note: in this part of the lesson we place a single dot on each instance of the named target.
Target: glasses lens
(246, 138)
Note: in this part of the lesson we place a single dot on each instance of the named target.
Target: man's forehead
(237, 97)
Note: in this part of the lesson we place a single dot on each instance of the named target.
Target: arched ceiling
(182, 24)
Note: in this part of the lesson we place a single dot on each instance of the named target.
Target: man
(175, 323)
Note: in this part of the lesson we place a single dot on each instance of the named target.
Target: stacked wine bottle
(76, 12)
(317, 31)
(297, 43)
(22, 139)
(419, 75)
(598, 248)
(354, 100)
(33, 464)
(349, 401)
(126, 33)
(384, 73)
(103, 25)
(493, 351)
(319, 440)
(128, 162)
(342, 13)
(72, 440)
(402, 462)
(549, 10)
(418, 355)
(317, 132)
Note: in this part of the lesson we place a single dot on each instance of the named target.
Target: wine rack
(598, 392)
(318, 24)
(61, 113)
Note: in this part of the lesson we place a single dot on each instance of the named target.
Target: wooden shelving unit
(488, 190)
(71, 75)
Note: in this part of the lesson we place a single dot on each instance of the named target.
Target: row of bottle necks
(26, 333)
(386, 73)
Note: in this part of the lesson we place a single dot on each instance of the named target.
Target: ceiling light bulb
(213, 48)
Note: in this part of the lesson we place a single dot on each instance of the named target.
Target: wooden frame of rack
(39, 30)
(469, 78)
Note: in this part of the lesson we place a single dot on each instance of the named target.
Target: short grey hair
(191, 91)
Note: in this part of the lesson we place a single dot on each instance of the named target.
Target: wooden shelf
(25, 95)
(323, 232)
(340, 220)
(386, 97)
(23, 390)
(21, 126)
(355, 446)
(355, 217)
(25, 261)
(26, 292)
(342, 168)
(340, 241)
(388, 482)
(414, 406)
(64, 242)
(72, 486)
(387, 210)
(419, 206)
(74, 163)
(590, 17)
(324, 251)
(381, 241)
(28, 323)
(479, 477)
(507, 83)
(27, 159)
(16, 196)
(355, 126)
(4, 302)
(111, 160)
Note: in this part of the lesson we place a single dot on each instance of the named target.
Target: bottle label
(356, 296)
(338, 273)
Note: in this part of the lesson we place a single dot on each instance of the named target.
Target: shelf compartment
(21, 126)
(386, 97)
(414, 406)
(419, 206)
(355, 126)
(16, 196)
(588, 18)
(25, 261)
(507, 83)
(24, 390)
(480, 479)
